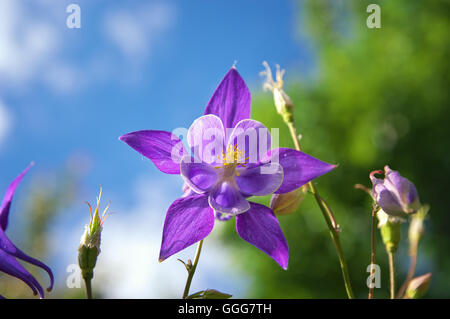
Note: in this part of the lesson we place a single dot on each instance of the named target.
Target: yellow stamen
(233, 157)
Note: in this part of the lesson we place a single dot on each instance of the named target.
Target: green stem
(373, 246)
(391, 274)
(191, 270)
(329, 218)
(88, 288)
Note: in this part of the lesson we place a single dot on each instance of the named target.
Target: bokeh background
(364, 98)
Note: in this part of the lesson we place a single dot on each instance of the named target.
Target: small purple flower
(395, 194)
(230, 160)
(9, 252)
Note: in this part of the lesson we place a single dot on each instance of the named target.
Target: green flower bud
(418, 286)
(90, 241)
(390, 230)
(287, 203)
(283, 103)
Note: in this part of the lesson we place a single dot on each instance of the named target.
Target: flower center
(232, 158)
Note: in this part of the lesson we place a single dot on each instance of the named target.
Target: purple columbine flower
(226, 166)
(395, 194)
(9, 252)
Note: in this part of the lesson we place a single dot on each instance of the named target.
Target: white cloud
(135, 31)
(28, 42)
(5, 122)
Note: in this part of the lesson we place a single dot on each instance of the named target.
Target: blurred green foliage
(379, 96)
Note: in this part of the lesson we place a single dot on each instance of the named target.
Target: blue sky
(133, 65)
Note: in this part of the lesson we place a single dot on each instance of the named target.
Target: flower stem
(412, 270)
(88, 288)
(191, 270)
(391, 274)
(373, 247)
(329, 218)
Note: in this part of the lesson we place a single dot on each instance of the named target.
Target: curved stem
(329, 219)
(88, 288)
(191, 270)
(373, 247)
(411, 272)
(391, 274)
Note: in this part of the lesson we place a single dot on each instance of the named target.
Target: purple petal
(10, 266)
(231, 100)
(401, 186)
(188, 220)
(226, 198)
(187, 191)
(298, 168)
(260, 227)
(387, 201)
(7, 246)
(260, 180)
(200, 177)
(252, 138)
(223, 217)
(164, 149)
(6, 204)
(206, 138)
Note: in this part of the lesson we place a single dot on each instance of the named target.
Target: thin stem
(329, 219)
(88, 288)
(294, 136)
(391, 274)
(411, 272)
(373, 247)
(191, 270)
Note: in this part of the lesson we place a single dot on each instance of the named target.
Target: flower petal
(223, 217)
(387, 201)
(188, 220)
(7, 199)
(7, 246)
(298, 168)
(226, 198)
(252, 138)
(200, 177)
(164, 149)
(231, 100)
(10, 266)
(206, 138)
(260, 180)
(260, 227)
(401, 187)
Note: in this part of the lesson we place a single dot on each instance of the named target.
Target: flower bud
(283, 103)
(390, 230)
(287, 203)
(90, 241)
(418, 286)
(396, 195)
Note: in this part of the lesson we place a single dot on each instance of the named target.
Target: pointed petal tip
(123, 138)
(160, 259)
